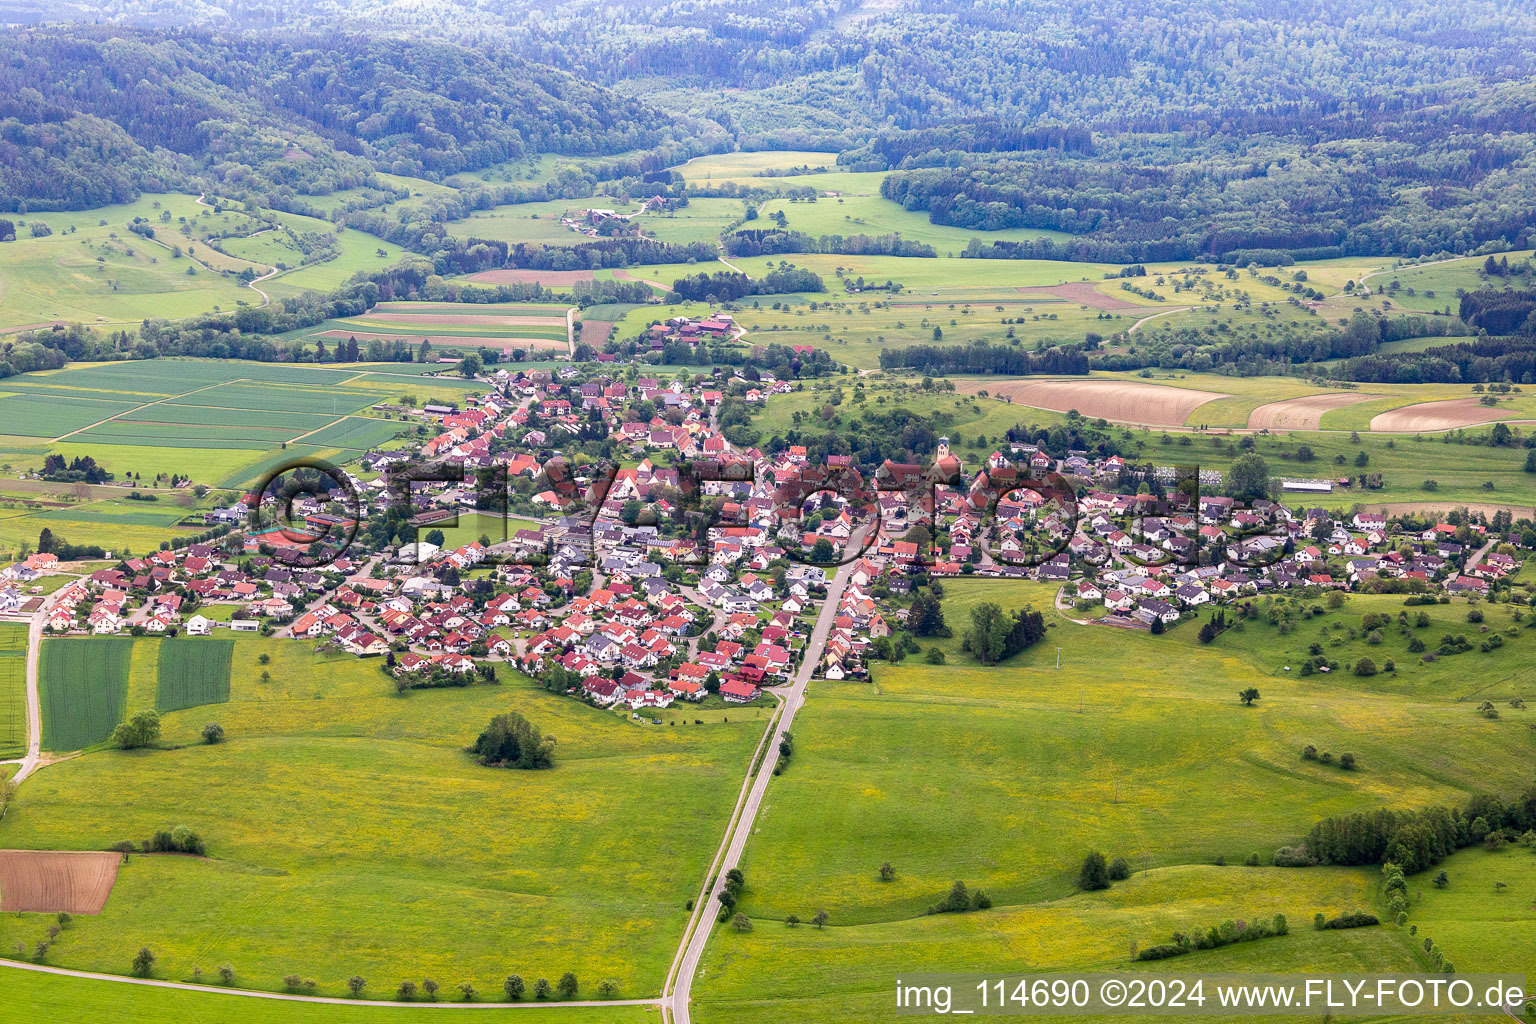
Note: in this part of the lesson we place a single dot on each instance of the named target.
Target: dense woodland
(89, 116)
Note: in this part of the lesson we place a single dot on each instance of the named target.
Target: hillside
(90, 116)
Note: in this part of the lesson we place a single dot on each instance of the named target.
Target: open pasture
(362, 791)
(92, 269)
(83, 683)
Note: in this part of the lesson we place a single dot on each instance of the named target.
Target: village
(644, 560)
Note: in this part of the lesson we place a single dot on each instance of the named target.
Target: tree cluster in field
(1349, 919)
(770, 242)
(926, 616)
(610, 252)
(1484, 360)
(983, 357)
(730, 893)
(994, 636)
(1346, 760)
(511, 741)
(728, 286)
(141, 730)
(960, 899)
(1413, 840)
(1217, 935)
(1098, 873)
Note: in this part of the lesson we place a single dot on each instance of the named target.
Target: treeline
(1184, 199)
(611, 252)
(728, 286)
(772, 242)
(1413, 840)
(1487, 360)
(1277, 352)
(982, 357)
(1500, 312)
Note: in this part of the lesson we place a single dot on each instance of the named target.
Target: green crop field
(193, 671)
(13, 689)
(381, 848)
(83, 684)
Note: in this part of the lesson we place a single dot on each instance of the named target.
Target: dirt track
(1445, 415)
(1123, 401)
(1302, 413)
(44, 881)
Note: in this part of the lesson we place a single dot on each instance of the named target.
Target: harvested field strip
(1302, 413)
(457, 320)
(551, 278)
(1121, 401)
(479, 308)
(52, 882)
(193, 671)
(453, 339)
(1447, 415)
(1084, 293)
(84, 688)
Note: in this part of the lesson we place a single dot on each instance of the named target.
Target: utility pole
(1058, 657)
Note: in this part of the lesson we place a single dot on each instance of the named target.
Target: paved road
(34, 702)
(288, 998)
(687, 964)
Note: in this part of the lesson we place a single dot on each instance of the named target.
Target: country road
(687, 963)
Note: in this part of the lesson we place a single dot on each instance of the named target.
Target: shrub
(1352, 919)
(1294, 857)
(1365, 667)
(1094, 873)
(213, 733)
(1119, 870)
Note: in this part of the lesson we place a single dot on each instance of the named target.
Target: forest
(90, 116)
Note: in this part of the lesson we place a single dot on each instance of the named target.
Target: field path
(332, 1000)
(570, 331)
(1167, 312)
(686, 965)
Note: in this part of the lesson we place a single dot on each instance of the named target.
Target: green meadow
(1136, 746)
(91, 268)
(49, 997)
(349, 833)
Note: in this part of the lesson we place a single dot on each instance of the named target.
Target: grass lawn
(349, 833)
